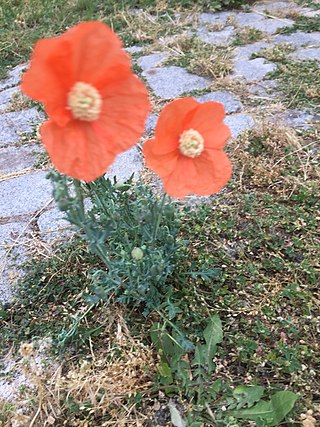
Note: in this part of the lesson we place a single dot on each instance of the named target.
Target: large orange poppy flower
(96, 106)
(187, 149)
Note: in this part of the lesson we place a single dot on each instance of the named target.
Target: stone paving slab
(242, 53)
(11, 236)
(53, 225)
(310, 53)
(215, 18)
(127, 163)
(14, 124)
(239, 123)
(31, 192)
(6, 96)
(262, 23)
(15, 159)
(171, 82)
(13, 78)
(217, 38)
(230, 102)
(299, 38)
(151, 61)
(253, 69)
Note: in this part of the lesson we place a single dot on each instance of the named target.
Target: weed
(303, 23)
(277, 53)
(199, 57)
(247, 35)
(299, 81)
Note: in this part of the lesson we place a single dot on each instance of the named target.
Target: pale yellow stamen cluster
(85, 102)
(191, 143)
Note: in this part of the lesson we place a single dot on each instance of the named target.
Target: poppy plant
(187, 150)
(95, 104)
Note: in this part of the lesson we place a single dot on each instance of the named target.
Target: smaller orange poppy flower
(96, 106)
(187, 151)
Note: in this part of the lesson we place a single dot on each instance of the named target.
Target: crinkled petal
(90, 52)
(180, 182)
(124, 111)
(214, 170)
(161, 164)
(50, 77)
(171, 124)
(208, 120)
(97, 54)
(76, 150)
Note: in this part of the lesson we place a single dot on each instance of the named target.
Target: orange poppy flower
(96, 106)
(187, 149)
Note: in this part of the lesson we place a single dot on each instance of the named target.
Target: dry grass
(145, 27)
(276, 158)
(18, 102)
(82, 392)
(199, 57)
(247, 35)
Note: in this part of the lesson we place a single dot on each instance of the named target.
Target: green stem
(159, 217)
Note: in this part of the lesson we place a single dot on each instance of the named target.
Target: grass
(200, 58)
(247, 35)
(303, 23)
(276, 53)
(299, 82)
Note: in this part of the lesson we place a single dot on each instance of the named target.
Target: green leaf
(165, 373)
(204, 353)
(247, 395)
(272, 412)
(282, 402)
(213, 333)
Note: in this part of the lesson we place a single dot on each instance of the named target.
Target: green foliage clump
(133, 232)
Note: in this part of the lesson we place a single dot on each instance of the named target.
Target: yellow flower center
(84, 102)
(191, 143)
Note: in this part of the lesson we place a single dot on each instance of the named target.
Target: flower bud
(137, 254)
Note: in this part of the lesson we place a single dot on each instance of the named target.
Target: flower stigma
(84, 101)
(191, 143)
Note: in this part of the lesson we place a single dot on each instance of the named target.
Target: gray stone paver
(171, 82)
(215, 18)
(254, 69)
(151, 61)
(53, 225)
(13, 78)
(239, 123)
(5, 97)
(299, 38)
(230, 102)
(127, 163)
(15, 159)
(28, 193)
(14, 124)
(218, 38)
(262, 23)
(310, 53)
(242, 53)
(31, 192)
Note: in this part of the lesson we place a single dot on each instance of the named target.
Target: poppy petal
(97, 54)
(161, 164)
(208, 121)
(50, 76)
(180, 182)
(170, 124)
(76, 150)
(214, 170)
(124, 111)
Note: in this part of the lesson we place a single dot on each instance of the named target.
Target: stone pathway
(28, 217)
